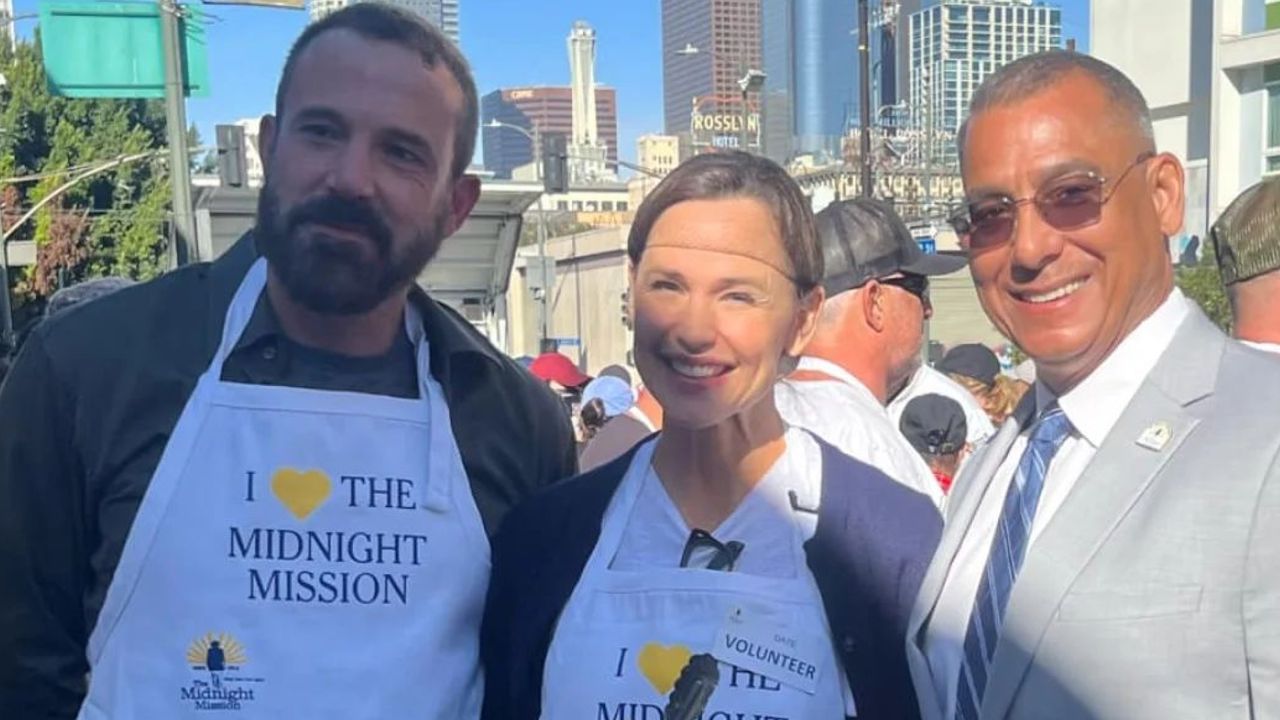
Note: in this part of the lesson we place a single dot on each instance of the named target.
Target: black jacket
(87, 410)
(872, 545)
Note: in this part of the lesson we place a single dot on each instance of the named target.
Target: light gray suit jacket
(1154, 592)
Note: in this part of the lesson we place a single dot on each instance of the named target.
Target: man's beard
(334, 276)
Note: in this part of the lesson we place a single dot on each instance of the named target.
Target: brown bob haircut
(736, 174)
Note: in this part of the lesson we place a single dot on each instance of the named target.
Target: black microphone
(693, 688)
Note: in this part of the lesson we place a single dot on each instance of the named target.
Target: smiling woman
(729, 532)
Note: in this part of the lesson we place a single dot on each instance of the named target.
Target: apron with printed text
(624, 636)
(298, 553)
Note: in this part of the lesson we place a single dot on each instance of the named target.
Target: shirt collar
(839, 374)
(1096, 404)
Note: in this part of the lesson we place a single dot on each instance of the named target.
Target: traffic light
(626, 309)
(555, 163)
(231, 157)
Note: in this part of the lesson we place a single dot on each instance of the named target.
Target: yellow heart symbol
(661, 664)
(301, 491)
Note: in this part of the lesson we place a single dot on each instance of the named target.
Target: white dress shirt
(763, 522)
(1266, 347)
(846, 414)
(1093, 407)
(928, 381)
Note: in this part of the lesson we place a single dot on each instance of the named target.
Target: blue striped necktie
(1008, 548)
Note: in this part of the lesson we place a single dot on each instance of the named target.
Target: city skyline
(510, 43)
(956, 44)
(545, 110)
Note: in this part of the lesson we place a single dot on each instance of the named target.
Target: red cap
(557, 368)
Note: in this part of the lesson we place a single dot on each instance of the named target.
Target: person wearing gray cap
(1247, 240)
(868, 341)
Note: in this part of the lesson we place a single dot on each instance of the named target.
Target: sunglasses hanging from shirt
(703, 551)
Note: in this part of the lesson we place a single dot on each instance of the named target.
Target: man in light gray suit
(1114, 551)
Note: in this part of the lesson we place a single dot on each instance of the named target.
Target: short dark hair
(736, 174)
(1033, 73)
(379, 21)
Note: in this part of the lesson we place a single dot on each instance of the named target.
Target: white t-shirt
(764, 522)
(843, 412)
(929, 381)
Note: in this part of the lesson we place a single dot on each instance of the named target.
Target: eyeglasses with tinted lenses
(711, 554)
(1069, 202)
(917, 285)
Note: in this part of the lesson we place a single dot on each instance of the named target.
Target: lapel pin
(1156, 436)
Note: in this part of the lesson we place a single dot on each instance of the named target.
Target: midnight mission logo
(218, 659)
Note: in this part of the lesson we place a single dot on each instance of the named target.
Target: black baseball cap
(863, 239)
(972, 360)
(934, 425)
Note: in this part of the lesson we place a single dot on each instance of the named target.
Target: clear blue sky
(509, 42)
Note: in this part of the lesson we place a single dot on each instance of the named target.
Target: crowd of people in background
(291, 483)
(593, 403)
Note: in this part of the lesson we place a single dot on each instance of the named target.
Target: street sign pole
(184, 221)
(6, 311)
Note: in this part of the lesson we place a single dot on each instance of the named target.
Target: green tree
(1203, 284)
(114, 223)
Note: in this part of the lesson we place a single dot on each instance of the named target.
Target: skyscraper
(956, 44)
(586, 152)
(707, 46)
(811, 59)
(548, 110)
(441, 13)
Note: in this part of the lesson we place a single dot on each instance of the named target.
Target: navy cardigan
(873, 542)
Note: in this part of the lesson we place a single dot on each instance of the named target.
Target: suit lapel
(962, 506)
(1123, 468)
(968, 490)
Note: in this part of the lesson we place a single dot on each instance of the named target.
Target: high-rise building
(901, 10)
(546, 110)
(1210, 72)
(441, 13)
(811, 61)
(707, 47)
(659, 153)
(587, 154)
(956, 44)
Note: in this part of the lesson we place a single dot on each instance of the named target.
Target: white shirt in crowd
(763, 522)
(1266, 347)
(928, 381)
(846, 414)
(1093, 407)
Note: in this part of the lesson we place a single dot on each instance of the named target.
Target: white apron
(624, 636)
(298, 553)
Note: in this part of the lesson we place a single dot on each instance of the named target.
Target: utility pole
(864, 80)
(6, 312)
(927, 210)
(928, 192)
(544, 311)
(184, 222)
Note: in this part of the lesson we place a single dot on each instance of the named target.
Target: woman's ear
(806, 326)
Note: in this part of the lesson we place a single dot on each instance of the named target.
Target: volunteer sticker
(770, 648)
